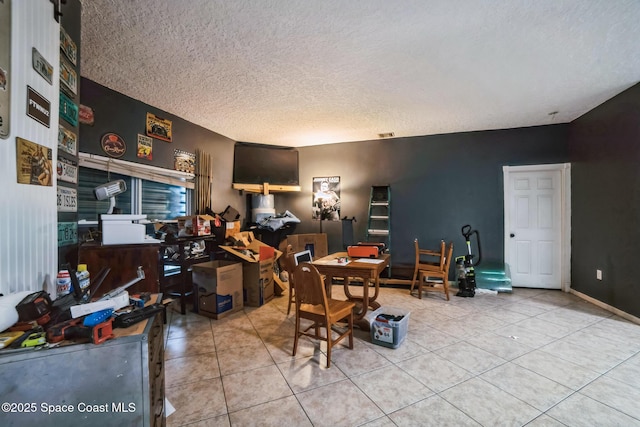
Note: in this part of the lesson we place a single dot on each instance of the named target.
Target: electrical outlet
(599, 274)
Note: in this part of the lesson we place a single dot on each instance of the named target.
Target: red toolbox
(364, 251)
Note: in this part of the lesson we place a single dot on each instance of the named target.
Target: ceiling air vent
(386, 135)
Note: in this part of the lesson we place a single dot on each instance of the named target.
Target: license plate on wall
(67, 233)
(67, 140)
(68, 110)
(68, 77)
(67, 170)
(67, 199)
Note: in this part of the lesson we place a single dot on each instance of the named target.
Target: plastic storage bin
(389, 332)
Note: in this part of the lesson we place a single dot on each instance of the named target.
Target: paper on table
(331, 262)
(370, 260)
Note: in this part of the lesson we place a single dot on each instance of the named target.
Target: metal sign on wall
(38, 108)
(5, 66)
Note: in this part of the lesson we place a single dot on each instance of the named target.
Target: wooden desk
(368, 272)
(124, 261)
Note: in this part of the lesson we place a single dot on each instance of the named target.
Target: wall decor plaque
(38, 108)
(113, 145)
(85, 115)
(184, 161)
(41, 65)
(33, 163)
(158, 127)
(145, 147)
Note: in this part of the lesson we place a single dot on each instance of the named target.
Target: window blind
(137, 170)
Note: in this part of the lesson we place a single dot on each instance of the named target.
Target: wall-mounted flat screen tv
(259, 163)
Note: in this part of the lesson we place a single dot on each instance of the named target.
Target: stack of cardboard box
(258, 261)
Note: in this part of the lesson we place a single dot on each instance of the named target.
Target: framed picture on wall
(326, 198)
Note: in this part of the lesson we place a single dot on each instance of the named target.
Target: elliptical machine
(465, 265)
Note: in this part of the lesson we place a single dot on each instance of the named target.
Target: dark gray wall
(604, 147)
(442, 182)
(438, 184)
(115, 112)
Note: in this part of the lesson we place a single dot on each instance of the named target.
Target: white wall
(28, 213)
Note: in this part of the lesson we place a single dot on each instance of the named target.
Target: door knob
(512, 235)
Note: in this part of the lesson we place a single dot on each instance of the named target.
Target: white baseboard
(607, 307)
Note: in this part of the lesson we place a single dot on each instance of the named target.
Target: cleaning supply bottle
(63, 283)
(83, 276)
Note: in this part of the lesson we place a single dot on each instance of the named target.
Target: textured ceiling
(300, 72)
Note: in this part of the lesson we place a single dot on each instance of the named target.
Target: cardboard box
(194, 225)
(257, 274)
(250, 251)
(233, 228)
(316, 243)
(258, 284)
(218, 286)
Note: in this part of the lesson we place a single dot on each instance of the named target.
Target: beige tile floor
(533, 357)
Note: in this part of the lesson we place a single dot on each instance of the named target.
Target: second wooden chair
(289, 265)
(433, 274)
(313, 304)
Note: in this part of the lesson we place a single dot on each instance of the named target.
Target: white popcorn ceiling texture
(301, 72)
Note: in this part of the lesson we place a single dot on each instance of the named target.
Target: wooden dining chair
(432, 265)
(289, 265)
(313, 304)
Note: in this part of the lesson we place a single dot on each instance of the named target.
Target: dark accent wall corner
(604, 148)
(115, 112)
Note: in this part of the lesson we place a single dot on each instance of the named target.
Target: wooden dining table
(368, 269)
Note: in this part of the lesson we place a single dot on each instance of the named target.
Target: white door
(534, 226)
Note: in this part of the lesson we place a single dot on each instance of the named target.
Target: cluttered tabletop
(35, 322)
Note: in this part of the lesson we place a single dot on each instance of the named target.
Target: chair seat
(338, 309)
(430, 267)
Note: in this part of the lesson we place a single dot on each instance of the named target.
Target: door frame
(565, 213)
